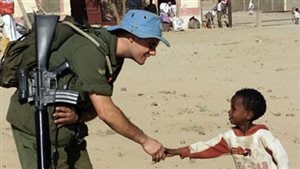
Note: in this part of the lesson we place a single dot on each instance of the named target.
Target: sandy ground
(181, 95)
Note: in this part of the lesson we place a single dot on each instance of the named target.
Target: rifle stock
(45, 25)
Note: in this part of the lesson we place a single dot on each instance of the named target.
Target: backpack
(193, 23)
(12, 58)
(20, 54)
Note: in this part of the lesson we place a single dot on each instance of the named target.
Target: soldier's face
(143, 48)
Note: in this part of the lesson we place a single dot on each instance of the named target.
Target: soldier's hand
(65, 115)
(155, 149)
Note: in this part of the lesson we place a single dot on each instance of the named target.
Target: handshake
(65, 115)
(163, 153)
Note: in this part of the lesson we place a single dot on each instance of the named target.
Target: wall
(187, 9)
(61, 7)
(266, 5)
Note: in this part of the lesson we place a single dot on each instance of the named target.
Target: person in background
(171, 9)
(9, 24)
(78, 11)
(219, 13)
(250, 8)
(224, 4)
(163, 8)
(251, 145)
(151, 7)
(296, 15)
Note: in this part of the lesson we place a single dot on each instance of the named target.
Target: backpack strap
(94, 41)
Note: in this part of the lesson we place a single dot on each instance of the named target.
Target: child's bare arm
(172, 152)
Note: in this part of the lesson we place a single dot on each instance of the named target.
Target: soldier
(135, 38)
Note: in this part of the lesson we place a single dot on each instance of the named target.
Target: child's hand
(172, 152)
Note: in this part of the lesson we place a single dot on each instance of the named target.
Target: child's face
(238, 115)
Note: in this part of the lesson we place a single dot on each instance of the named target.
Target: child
(296, 15)
(251, 145)
(250, 8)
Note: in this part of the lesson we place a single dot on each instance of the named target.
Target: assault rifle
(40, 86)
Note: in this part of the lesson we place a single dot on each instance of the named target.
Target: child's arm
(172, 152)
(276, 149)
(280, 155)
(204, 149)
(207, 149)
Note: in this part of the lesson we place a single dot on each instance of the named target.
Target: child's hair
(253, 100)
